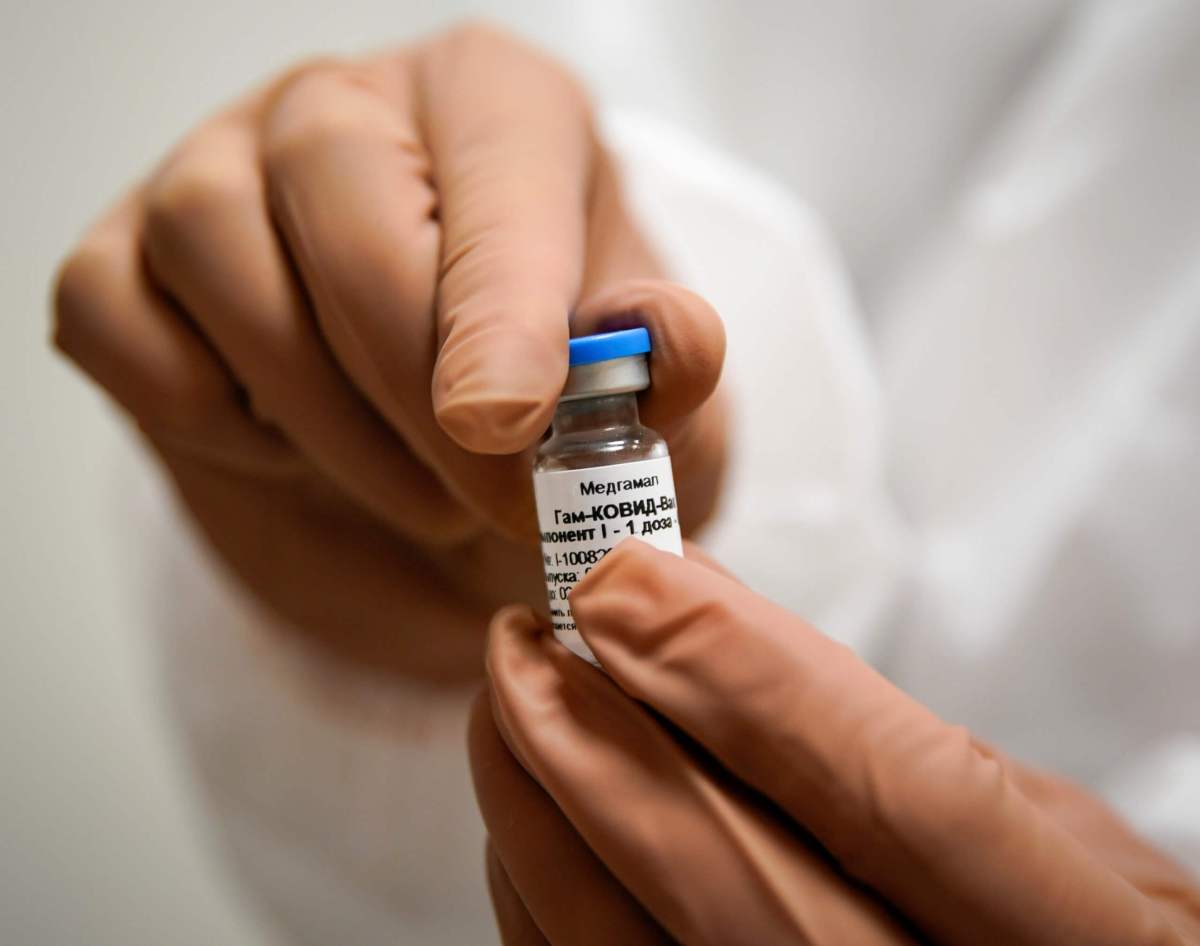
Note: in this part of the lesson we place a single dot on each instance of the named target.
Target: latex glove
(741, 778)
(338, 311)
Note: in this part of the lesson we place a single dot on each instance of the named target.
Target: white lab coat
(967, 438)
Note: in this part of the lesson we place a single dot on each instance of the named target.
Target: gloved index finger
(902, 800)
(512, 148)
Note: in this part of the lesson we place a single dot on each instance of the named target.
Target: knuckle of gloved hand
(929, 793)
(314, 110)
(87, 329)
(197, 187)
(82, 281)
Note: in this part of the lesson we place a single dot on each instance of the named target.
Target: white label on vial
(583, 514)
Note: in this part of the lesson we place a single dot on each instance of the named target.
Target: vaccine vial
(601, 477)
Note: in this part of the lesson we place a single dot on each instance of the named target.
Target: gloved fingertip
(495, 393)
(622, 596)
(519, 620)
(497, 423)
(627, 559)
(512, 645)
(631, 608)
(688, 341)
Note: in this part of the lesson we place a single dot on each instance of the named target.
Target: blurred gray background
(101, 836)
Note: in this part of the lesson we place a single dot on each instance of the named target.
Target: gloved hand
(742, 779)
(339, 312)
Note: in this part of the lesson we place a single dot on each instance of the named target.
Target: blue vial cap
(608, 345)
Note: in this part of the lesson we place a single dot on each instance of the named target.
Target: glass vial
(601, 477)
